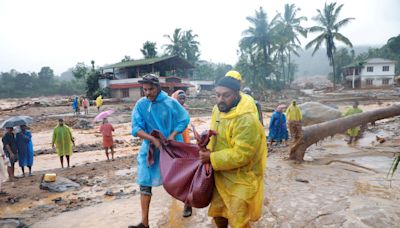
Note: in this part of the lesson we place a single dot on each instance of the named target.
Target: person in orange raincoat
(180, 96)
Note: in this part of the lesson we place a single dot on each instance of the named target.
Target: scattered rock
(12, 200)
(83, 124)
(109, 193)
(60, 185)
(57, 200)
(12, 223)
(302, 180)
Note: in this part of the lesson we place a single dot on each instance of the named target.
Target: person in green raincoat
(63, 140)
(353, 132)
(237, 155)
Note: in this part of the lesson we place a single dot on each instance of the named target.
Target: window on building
(369, 81)
(385, 81)
(125, 92)
(370, 69)
(385, 68)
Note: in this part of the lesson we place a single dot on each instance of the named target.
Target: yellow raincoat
(62, 138)
(293, 113)
(353, 132)
(99, 101)
(238, 157)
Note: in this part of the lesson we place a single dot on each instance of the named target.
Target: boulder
(60, 185)
(83, 124)
(314, 112)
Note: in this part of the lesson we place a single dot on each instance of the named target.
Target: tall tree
(184, 45)
(329, 26)
(292, 28)
(190, 46)
(80, 70)
(175, 46)
(149, 50)
(259, 33)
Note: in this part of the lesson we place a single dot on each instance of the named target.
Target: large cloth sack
(314, 113)
(184, 176)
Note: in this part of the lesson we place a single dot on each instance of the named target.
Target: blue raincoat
(75, 104)
(25, 148)
(277, 127)
(164, 114)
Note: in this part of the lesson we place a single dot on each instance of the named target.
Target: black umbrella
(16, 121)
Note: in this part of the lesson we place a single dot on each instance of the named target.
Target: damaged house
(122, 78)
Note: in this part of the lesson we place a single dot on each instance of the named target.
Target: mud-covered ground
(339, 185)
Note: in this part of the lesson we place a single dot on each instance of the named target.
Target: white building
(374, 73)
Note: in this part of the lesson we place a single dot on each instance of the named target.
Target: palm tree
(175, 46)
(149, 50)
(190, 46)
(329, 26)
(292, 29)
(259, 33)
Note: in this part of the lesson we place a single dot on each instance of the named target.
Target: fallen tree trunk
(15, 107)
(314, 133)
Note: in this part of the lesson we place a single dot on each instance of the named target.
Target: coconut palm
(329, 26)
(190, 46)
(183, 44)
(259, 33)
(149, 50)
(175, 46)
(291, 25)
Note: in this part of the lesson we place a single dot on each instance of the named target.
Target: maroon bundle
(184, 176)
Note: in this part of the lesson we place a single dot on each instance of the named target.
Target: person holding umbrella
(106, 130)
(11, 151)
(63, 140)
(25, 149)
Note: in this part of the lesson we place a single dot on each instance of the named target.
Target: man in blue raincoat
(155, 111)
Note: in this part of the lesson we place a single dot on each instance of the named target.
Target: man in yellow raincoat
(294, 117)
(99, 102)
(238, 156)
(353, 132)
(63, 140)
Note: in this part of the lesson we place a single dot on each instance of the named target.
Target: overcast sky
(60, 33)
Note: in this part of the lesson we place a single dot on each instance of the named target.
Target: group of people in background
(280, 122)
(237, 154)
(17, 148)
(83, 102)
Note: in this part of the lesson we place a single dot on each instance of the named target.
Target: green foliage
(80, 70)
(210, 71)
(343, 57)
(92, 83)
(149, 50)
(15, 84)
(266, 48)
(184, 45)
(394, 166)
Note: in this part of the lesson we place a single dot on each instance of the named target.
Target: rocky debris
(109, 193)
(12, 223)
(314, 112)
(13, 200)
(83, 124)
(60, 185)
(136, 141)
(317, 83)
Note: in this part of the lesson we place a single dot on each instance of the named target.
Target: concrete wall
(134, 94)
(377, 75)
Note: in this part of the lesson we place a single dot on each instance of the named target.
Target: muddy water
(346, 188)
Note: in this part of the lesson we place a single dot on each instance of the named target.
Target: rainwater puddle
(378, 163)
(13, 209)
